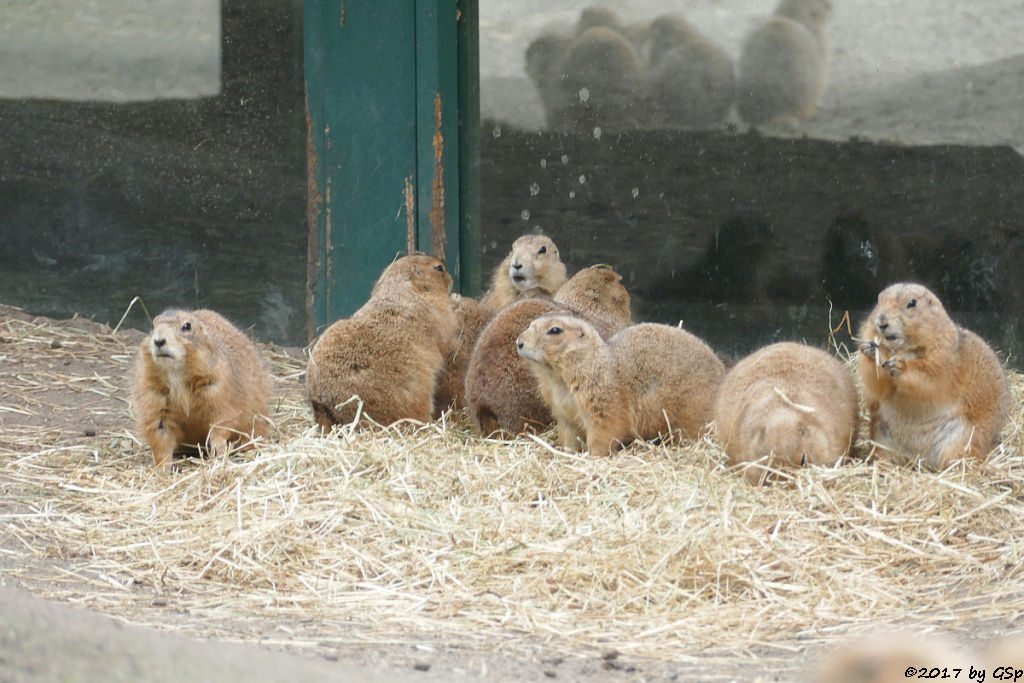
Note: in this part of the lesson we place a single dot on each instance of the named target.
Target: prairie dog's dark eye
(439, 268)
(186, 327)
(911, 303)
(555, 330)
(542, 250)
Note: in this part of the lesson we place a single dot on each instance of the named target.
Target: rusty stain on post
(342, 21)
(439, 234)
(410, 215)
(314, 205)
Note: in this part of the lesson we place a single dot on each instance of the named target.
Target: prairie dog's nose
(519, 344)
(159, 342)
(883, 321)
(517, 265)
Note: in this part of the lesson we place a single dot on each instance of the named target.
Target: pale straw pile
(426, 530)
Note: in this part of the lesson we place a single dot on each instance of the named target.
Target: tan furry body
(198, 382)
(473, 316)
(501, 391)
(690, 82)
(886, 659)
(935, 391)
(646, 380)
(1005, 652)
(533, 269)
(786, 404)
(600, 78)
(782, 68)
(390, 352)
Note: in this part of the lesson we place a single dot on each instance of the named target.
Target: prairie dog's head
(811, 13)
(597, 290)
(551, 336)
(174, 332)
(534, 263)
(905, 312)
(597, 15)
(424, 274)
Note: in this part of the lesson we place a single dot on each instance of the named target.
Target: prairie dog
(690, 82)
(390, 352)
(783, 65)
(600, 79)
(1005, 652)
(935, 391)
(501, 391)
(648, 379)
(533, 269)
(473, 316)
(786, 404)
(198, 381)
(885, 659)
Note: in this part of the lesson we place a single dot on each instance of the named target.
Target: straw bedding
(658, 551)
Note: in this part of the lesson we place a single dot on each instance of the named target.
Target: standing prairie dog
(786, 404)
(198, 382)
(533, 269)
(600, 76)
(783, 65)
(690, 82)
(390, 352)
(935, 391)
(501, 392)
(646, 380)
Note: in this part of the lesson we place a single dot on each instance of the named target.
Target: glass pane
(156, 150)
(859, 144)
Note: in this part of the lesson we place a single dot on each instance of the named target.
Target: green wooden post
(385, 142)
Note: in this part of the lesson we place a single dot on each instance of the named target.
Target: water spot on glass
(494, 244)
(543, 163)
(584, 95)
(496, 132)
(534, 189)
(597, 132)
(583, 179)
(525, 215)
(572, 194)
(635, 192)
(565, 158)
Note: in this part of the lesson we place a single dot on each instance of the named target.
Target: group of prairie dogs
(541, 348)
(665, 74)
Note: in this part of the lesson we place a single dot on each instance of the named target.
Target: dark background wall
(749, 239)
(181, 202)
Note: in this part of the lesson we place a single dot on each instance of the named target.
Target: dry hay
(426, 530)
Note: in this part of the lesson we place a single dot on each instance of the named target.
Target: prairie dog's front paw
(895, 366)
(869, 348)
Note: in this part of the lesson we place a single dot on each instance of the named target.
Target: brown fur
(600, 78)
(935, 391)
(501, 391)
(390, 352)
(782, 69)
(690, 82)
(1006, 652)
(647, 380)
(198, 381)
(786, 404)
(885, 659)
(473, 316)
(532, 270)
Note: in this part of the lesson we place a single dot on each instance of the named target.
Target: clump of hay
(658, 550)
